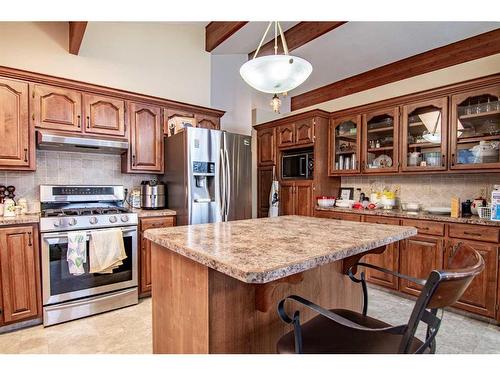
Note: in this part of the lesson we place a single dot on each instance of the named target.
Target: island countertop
(268, 249)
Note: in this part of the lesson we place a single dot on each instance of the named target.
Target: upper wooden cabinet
(207, 122)
(146, 139)
(300, 132)
(20, 274)
(57, 108)
(475, 129)
(286, 135)
(17, 139)
(266, 146)
(380, 141)
(424, 135)
(345, 145)
(104, 115)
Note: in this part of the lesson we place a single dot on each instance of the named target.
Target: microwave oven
(297, 165)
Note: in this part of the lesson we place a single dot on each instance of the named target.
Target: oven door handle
(57, 235)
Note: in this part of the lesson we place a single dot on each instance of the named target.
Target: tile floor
(128, 331)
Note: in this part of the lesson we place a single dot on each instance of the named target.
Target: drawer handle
(472, 233)
(422, 228)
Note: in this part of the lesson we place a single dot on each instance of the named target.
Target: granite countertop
(421, 215)
(154, 213)
(20, 219)
(267, 249)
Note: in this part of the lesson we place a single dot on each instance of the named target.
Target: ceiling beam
(218, 32)
(298, 35)
(473, 48)
(76, 32)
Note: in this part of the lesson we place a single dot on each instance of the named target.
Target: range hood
(56, 142)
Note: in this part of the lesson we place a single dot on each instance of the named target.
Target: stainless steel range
(84, 208)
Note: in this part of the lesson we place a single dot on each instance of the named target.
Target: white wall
(155, 58)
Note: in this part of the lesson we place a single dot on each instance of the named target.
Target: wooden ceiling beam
(76, 33)
(218, 32)
(298, 35)
(452, 54)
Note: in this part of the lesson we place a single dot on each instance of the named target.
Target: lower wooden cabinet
(296, 198)
(145, 250)
(20, 292)
(264, 181)
(480, 296)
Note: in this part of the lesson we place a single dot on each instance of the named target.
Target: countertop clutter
(263, 250)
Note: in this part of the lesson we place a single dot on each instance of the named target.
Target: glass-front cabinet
(380, 141)
(345, 146)
(475, 129)
(424, 135)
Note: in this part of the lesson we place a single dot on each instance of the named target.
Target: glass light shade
(275, 73)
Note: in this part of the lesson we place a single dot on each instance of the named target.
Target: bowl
(326, 202)
(344, 203)
(410, 206)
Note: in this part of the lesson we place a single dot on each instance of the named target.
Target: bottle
(495, 203)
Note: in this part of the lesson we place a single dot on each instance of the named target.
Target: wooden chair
(346, 331)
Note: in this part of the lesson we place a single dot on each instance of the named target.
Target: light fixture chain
(283, 40)
(275, 37)
(262, 40)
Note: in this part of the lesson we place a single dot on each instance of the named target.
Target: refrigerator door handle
(222, 185)
(228, 184)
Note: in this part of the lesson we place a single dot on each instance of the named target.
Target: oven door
(59, 285)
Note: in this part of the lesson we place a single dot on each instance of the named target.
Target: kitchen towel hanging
(77, 252)
(106, 250)
(274, 197)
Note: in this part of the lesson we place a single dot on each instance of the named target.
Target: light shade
(275, 73)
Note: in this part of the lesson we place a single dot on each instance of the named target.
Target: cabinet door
(287, 199)
(425, 135)
(207, 122)
(264, 181)
(380, 141)
(345, 147)
(104, 115)
(389, 259)
(57, 108)
(475, 129)
(418, 256)
(286, 135)
(19, 273)
(337, 215)
(14, 124)
(303, 198)
(146, 138)
(304, 132)
(480, 296)
(266, 147)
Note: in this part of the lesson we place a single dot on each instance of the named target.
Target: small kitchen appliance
(153, 194)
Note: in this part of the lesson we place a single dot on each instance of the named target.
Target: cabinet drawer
(156, 222)
(338, 215)
(426, 227)
(381, 220)
(474, 232)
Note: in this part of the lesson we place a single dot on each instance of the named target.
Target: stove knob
(113, 219)
(93, 220)
(124, 218)
(72, 221)
(57, 223)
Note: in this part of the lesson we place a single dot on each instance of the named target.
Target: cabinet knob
(79, 121)
(452, 160)
(25, 155)
(88, 122)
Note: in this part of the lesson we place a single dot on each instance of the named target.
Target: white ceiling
(356, 47)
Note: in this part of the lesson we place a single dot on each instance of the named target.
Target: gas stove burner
(85, 211)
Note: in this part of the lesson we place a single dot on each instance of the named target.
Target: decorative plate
(382, 161)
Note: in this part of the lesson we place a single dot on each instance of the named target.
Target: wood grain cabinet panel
(20, 274)
(480, 296)
(15, 145)
(286, 135)
(57, 108)
(425, 227)
(264, 181)
(146, 138)
(266, 147)
(474, 232)
(304, 198)
(337, 215)
(207, 122)
(304, 132)
(104, 115)
(287, 198)
(418, 256)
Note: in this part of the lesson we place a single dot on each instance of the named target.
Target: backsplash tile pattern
(429, 190)
(70, 168)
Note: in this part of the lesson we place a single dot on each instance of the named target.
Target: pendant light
(275, 74)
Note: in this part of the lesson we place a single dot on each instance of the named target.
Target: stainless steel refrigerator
(208, 175)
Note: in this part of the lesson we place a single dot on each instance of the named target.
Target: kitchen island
(216, 286)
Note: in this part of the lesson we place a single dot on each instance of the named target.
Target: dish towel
(106, 251)
(274, 199)
(77, 252)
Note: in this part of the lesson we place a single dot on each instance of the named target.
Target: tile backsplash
(55, 167)
(429, 190)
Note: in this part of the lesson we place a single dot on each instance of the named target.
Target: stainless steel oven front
(59, 285)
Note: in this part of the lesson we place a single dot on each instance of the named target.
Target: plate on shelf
(382, 161)
(439, 210)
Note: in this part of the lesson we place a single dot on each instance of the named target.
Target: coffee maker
(153, 194)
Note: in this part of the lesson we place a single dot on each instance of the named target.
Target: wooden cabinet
(419, 255)
(296, 198)
(264, 181)
(207, 122)
(266, 146)
(104, 115)
(424, 135)
(480, 296)
(337, 215)
(345, 146)
(20, 274)
(146, 139)
(286, 135)
(145, 250)
(17, 138)
(287, 198)
(304, 131)
(57, 108)
(389, 259)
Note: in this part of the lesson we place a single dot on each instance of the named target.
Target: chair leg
(297, 330)
(365, 294)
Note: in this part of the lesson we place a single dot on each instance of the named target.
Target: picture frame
(346, 193)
